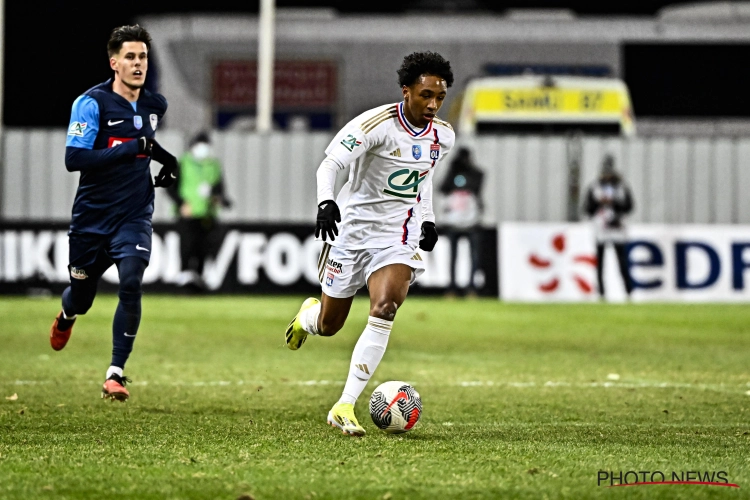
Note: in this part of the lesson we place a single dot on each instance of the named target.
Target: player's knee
(130, 294)
(131, 276)
(130, 285)
(384, 309)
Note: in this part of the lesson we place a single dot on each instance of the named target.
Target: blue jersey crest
(416, 151)
(138, 121)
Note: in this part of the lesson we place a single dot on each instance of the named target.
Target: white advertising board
(692, 263)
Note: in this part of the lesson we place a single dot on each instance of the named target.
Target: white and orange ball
(395, 407)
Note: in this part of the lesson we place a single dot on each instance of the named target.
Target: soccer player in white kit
(385, 213)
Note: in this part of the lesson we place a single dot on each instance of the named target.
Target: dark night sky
(61, 46)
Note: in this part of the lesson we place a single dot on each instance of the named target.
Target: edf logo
(647, 254)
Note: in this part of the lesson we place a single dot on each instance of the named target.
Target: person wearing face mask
(608, 201)
(462, 212)
(198, 196)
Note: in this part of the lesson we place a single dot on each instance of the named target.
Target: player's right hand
(328, 216)
(145, 146)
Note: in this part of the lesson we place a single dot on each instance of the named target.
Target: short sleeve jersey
(109, 195)
(392, 163)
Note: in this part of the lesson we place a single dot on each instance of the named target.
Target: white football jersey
(392, 165)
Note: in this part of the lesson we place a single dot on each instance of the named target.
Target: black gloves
(145, 146)
(168, 172)
(428, 237)
(328, 216)
(166, 176)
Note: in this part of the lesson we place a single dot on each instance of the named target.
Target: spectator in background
(608, 200)
(462, 213)
(198, 195)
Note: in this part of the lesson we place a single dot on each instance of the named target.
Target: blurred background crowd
(599, 123)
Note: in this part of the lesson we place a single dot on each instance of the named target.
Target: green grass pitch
(520, 401)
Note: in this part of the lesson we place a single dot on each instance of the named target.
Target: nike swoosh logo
(128, 335)
(400, 395)
(110, 123)
(138, 247)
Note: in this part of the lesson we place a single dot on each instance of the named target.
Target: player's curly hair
(124, 34)
(417, 64)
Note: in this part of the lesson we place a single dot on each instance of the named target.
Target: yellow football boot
(295, 335)
(342, 416)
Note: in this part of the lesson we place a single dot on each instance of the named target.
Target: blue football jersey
(111, 194)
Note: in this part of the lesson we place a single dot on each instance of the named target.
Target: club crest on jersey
(329, 279)
(416, 151)
(77, 128)
(154, 121)
(434, 151)
(138, 121)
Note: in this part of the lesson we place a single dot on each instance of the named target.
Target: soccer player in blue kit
(111, 143)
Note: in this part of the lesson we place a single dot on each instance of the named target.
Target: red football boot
(114, 388)
(59, 338)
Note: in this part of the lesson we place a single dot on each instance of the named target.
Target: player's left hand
(168, 173)
(429, 236)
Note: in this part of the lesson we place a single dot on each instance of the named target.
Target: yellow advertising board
(547, 100)
(531, 99)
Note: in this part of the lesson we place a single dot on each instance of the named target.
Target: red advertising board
(297, 84)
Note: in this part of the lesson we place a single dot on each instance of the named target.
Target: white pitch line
(316, 382)
(469, 383)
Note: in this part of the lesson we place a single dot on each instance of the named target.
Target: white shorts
(342, 272)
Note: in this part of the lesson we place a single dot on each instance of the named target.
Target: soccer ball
(395, 407)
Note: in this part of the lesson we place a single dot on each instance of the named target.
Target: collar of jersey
(412, 131)
(110, 82)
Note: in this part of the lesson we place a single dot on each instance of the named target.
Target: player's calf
(330, 325)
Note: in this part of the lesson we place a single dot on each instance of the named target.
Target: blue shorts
(92, 254)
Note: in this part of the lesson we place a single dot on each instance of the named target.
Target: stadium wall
(272, 178)
(368, 49)
(249, 258)
(527, 262)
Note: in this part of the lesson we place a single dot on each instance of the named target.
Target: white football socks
(309, 319)
(114, 369)
(366, 357)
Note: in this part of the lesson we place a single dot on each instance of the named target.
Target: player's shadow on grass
(415, 435)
